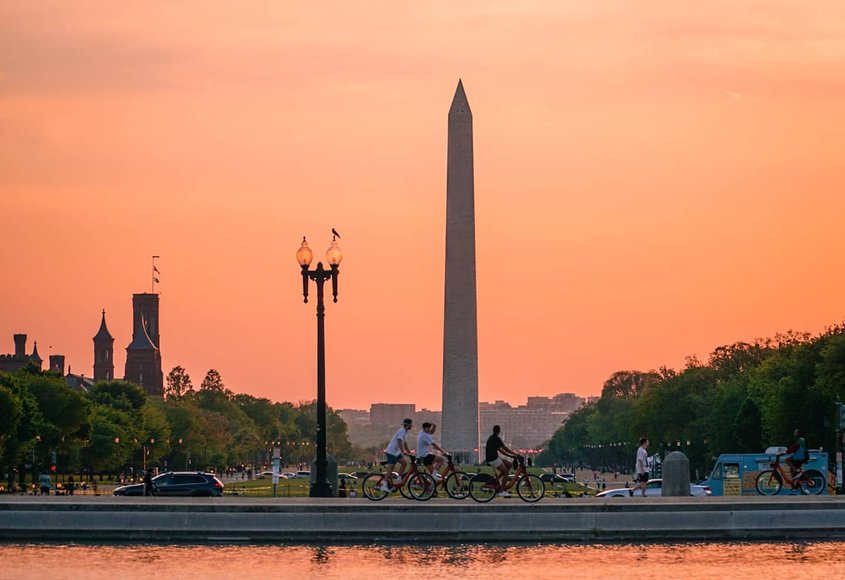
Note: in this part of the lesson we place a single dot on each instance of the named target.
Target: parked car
(178, 483)
(303, 475)
(348, 476)
(360, 474)
(287, 475)
(554, 479)
(654, 488)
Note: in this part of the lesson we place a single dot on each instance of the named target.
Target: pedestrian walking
(149, 488)
(641, 467)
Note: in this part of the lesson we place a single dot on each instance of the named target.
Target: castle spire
(35, 355)
(103, 333)
(103, 353)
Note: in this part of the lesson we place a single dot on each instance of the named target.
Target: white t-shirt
(395, 446)
(642, 457)
(424, 442)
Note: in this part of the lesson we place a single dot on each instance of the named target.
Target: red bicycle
(483, 487)
(770, 481)
(414, 484)
(456, 483)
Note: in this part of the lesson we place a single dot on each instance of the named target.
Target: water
(581, 562)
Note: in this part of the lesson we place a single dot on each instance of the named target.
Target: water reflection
(585, 562)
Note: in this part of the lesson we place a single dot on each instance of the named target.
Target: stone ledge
(442, 521)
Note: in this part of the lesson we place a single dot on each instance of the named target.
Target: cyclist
(799, 457)
(425, 443)
(495, 449)
(642, 467)
(395, 453)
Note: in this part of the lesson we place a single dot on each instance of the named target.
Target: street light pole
(321, 486)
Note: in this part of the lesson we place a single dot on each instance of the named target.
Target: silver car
(653, 488)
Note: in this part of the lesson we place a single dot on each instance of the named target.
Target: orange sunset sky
(653, 179)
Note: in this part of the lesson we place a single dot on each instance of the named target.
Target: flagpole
(153, 275)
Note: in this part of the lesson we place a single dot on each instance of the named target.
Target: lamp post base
(321, 489)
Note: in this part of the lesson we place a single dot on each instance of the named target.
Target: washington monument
(460, 333)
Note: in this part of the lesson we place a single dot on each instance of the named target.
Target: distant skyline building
(143, 355)
(12, 362)
(460, 330)
(523, 426)
(103, 353)
(391, 414)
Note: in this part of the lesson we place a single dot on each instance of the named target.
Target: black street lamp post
(321, 486)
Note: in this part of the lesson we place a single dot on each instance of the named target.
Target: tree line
(744, 398)
(115, 428)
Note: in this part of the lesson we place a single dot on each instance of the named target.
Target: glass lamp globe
(333, 254)
(304, 255)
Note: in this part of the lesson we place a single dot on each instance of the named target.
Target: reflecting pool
(580, 562)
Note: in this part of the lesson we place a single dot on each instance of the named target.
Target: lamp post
(321, 487)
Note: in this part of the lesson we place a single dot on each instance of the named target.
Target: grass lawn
(263, 487)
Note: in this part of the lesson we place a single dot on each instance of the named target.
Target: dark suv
(178, 483)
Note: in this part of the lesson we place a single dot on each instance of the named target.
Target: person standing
(395, 453)
(641, 467)
(148, 483)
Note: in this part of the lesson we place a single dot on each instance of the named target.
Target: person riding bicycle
(395, 453)
(798, 456)
(425, 443)
(495, 449)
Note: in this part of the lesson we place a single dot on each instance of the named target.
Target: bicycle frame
(412, 469)
(777, 466)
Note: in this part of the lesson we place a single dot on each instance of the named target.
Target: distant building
(13, 362)
(143, 355)
(382, 414)
(103, 353)
(354, 417)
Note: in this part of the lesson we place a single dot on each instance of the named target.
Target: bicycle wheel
(812, 483)
(421, 486)
(530, 488)
(457, 485)
(769, 482)
(482, 487)
(370, 487)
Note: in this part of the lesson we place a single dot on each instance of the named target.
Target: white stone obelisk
(460, 334)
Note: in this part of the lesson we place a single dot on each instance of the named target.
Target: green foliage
(746, 397)
(212, 382)
(115, 426)
(178, 384)
(118, 394)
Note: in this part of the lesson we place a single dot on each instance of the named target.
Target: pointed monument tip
(460, 104)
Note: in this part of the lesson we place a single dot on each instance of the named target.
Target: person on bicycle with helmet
(798, 451)
(395, 453)
(494, 450)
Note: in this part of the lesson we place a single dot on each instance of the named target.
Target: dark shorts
(428, 459)
(392, 459)
(642, 477)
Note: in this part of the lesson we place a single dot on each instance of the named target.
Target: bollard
(331, 472)
(676, 479)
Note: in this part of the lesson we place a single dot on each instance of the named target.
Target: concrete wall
(358, 520)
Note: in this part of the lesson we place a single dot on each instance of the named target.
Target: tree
(179, 383)
(122, 395)
(212, 382)
(628, 383)
(748, 428)
(11, 410)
